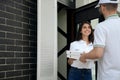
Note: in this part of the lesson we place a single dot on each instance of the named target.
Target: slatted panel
(62, 44)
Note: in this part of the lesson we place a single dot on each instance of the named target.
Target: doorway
(68, 23)
(91, 14)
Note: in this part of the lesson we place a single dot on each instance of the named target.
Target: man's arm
(96, 53)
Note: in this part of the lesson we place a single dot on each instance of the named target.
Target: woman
(83, 43)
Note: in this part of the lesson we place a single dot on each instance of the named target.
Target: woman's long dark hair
(79, 34)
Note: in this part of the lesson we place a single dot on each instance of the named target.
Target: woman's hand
(70, 61)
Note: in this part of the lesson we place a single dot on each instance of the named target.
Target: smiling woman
(85, 29)
(83, 43)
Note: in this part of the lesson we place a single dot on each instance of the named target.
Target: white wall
(80, 3)
(119, 6)
(47, 40)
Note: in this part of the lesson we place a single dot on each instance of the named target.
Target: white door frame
(47, 40)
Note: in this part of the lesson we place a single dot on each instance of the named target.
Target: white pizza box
(75, 55)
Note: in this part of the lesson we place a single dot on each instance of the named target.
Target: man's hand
(83, 58)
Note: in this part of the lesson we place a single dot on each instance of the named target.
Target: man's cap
(107, 1)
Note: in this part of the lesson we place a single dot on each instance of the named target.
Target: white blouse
(82, 47)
